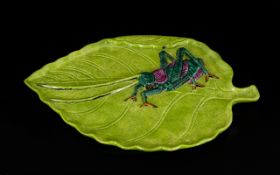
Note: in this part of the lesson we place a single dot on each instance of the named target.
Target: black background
(35, 139)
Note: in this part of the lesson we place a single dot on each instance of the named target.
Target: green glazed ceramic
(88, 88)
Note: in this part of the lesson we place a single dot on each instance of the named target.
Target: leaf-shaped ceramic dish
(77, 87)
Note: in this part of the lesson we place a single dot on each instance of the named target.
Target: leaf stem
(247, 94)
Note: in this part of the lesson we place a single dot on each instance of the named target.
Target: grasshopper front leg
(211, 76)
(147, 93)
(134, 94)
(196, 84)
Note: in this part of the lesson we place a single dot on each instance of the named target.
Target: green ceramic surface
(75, 86)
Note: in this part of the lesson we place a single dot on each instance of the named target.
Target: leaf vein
(114, 122)
(71, 76)
(140, 54)
(94, 65)
(120, 62)
(194, 114)
(164, 114)
(91, 110)
(70, 68)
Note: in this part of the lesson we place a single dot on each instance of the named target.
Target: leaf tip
(26, 81)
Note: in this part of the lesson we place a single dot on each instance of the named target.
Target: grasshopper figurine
(172, 75)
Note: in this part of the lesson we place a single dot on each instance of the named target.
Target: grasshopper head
(146, 78)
